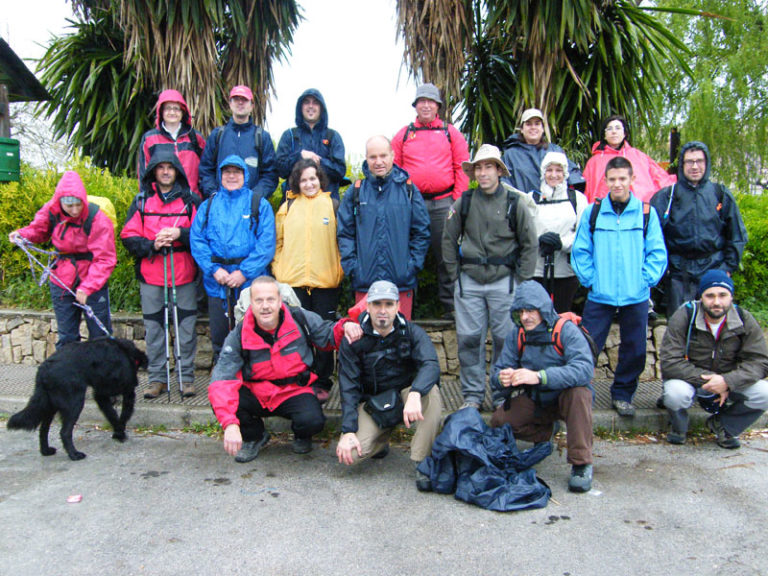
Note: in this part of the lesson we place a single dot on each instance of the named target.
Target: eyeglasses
(171, 108)
(614, 128)
(696, 161)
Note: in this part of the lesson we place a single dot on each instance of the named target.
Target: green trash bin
(10, 167)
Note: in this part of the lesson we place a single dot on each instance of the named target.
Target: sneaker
(250, 450)
(423, 482)
(675, 438)
(470, 404)
(723, 439)
(188, 389)
(581, 478)
(624, 408)
(381, 453)
(302, 445)
(154, 390)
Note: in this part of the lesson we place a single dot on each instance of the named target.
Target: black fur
(108, 365)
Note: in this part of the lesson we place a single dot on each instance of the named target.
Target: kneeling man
(541, 378)
(714, 352)
(264, 370)
(388, 377)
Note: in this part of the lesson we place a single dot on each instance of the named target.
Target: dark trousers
(304, 412)
(534, 423)
(633, 328)
(438, 212)
(68, 315)
(218, 318)
(563, 291)
(322, 301)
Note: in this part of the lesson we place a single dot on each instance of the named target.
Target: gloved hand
(549, 243)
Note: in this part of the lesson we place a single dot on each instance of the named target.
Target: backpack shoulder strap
(520, 341)
(464, 204)
(411, 128)
(409, 188)
(356, 197)
(572, 198)
(557, 338)
(258, 136)
(255, 210)
(512, 200)
(195, 144)
(93, 209)
(646, 217)
(301, 321)
(219, 136)
(691, 308)
(593, 216)
(208, 210)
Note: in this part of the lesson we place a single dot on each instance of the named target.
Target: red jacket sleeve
(38, 230)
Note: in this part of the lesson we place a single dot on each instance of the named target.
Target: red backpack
(557, 341)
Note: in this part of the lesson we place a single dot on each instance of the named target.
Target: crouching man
(388, 377)
(714, 352)
(544, 375)
(264, 370)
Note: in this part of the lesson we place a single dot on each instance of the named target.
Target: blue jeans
(633, 328)
(68, 315)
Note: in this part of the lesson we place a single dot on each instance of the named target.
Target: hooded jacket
(739, 355)
(619, 263)
(574, 368)
(321, 140)
(222, 230)
(404, 357)
(92, 257)
(188, 145)
(431, 159)
(150, 212)
(239, 140)
(307, 252)
(248, 360)
(384, 235)
(701, 232)
(649, 176)
(523, 161)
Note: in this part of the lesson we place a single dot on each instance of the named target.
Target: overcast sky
(344, 48)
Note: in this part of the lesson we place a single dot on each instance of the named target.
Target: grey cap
(383, 290)
(427, 91)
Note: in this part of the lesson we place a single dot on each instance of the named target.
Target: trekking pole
(176, 341)
(27, 247)
(166, 325)
(230, 309)
(549, 275)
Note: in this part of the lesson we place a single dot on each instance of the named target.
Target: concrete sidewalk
(17, 384)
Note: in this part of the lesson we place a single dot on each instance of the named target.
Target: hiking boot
(423, 482)
(250, 450)
(624, 408)
(154, 390)
(581, 478)
(675, 438)
(722, 437)
(188, 389)
(381, 453)
(302, 445)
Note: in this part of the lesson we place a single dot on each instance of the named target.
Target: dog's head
(137, 357)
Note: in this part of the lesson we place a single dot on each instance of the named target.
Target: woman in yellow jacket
(307, 254)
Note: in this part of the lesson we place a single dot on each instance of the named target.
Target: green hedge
(20, 201)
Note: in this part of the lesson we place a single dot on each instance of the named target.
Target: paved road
(176, 504)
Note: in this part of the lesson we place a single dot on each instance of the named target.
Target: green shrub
(751, 281)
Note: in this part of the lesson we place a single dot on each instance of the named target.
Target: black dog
(108, 365)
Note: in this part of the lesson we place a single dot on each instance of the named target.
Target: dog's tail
(32, 414)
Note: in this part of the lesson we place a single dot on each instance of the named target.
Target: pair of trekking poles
(168, 255)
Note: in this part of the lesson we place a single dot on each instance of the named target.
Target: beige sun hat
(486, 153)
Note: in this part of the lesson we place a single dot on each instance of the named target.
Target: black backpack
(54, 219)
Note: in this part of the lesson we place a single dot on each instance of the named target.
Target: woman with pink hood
(649, 176)
(173, 130)
(84, 237)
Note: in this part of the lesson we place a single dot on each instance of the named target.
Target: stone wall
(28, 337)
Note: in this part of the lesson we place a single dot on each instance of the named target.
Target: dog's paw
(48, 451)
(77, 456)
(119, 436)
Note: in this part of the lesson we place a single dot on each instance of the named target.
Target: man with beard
(714, 352)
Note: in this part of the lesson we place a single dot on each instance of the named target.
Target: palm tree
(123, 52)
(577, 61)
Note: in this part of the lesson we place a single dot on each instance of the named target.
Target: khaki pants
(373, 439)
(534, 423)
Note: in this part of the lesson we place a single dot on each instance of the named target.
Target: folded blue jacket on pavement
(483, 465)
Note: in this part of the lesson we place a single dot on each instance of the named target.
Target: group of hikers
(510, 255)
